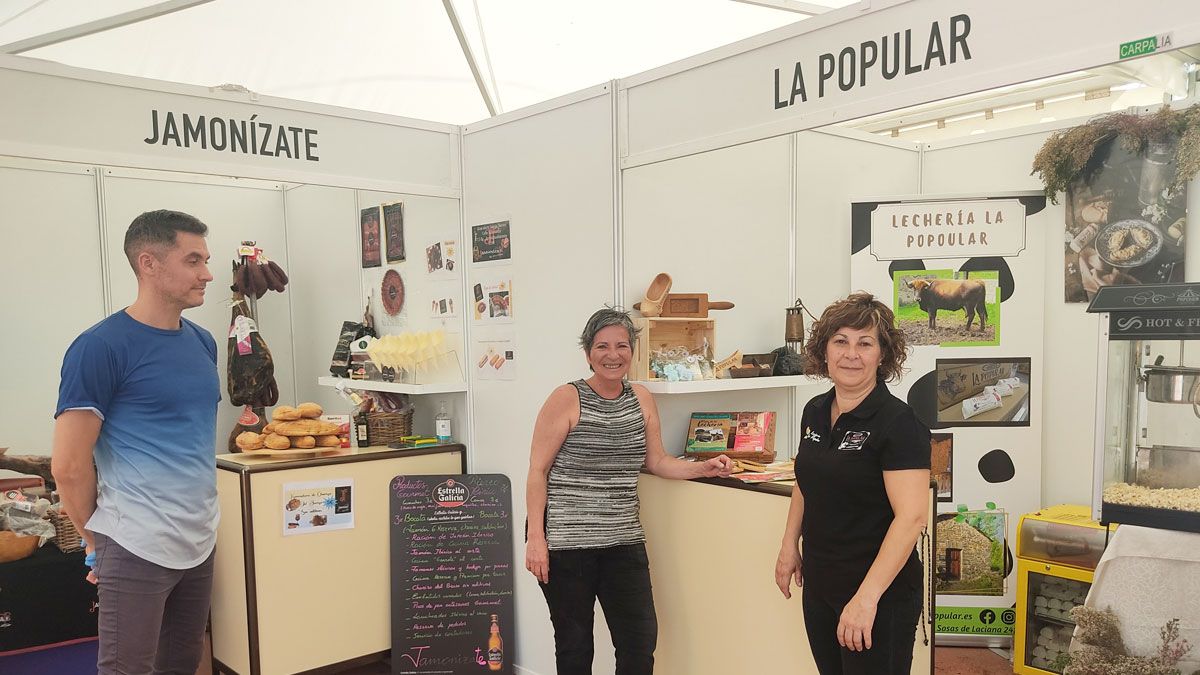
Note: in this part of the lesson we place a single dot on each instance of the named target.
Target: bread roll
(248, 440)
(304, 442)
(284, 413)
(277, 442)
(310, 410)
(328, 441)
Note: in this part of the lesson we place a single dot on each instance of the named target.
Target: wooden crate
(660, 332)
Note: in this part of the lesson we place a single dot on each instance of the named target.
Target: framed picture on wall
(393, 223)
(369, 231)
(983, 392)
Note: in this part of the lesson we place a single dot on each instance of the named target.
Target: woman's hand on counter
(787, 570)
(537, 559)
(717, 467)
(854, 627)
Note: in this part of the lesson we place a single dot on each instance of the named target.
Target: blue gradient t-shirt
(157, 392)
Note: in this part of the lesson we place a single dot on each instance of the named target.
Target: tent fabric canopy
(398, 57)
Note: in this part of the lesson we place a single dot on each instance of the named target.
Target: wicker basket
(385, 428)
(66, 537)
(15, 546)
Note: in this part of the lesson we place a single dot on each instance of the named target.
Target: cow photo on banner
(965, 277)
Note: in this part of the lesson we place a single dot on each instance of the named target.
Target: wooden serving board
(290, 452)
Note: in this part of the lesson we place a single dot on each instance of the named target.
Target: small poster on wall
(941, 459)
(495, 356)
(441, 258)
(493, 301)
(368, 221)
(393, 221)
(443, 308)
(1125, 223)
(491, 242)
(318, 506)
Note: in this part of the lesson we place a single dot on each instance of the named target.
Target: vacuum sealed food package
(981, 403)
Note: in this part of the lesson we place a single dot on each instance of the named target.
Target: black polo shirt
(840, 474)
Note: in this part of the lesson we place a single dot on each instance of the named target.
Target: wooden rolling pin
(688, 306)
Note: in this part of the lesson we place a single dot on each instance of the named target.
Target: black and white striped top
(591, 494)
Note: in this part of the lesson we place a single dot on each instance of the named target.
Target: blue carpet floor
(76, 659)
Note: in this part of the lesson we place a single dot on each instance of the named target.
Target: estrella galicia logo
(810, 435)
(854, 440)
(451, 494)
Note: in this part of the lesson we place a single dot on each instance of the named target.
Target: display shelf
(707, 386)
(394, 387)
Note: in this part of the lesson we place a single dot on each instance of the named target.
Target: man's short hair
(157, 229)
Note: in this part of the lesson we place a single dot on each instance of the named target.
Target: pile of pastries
(298, 427)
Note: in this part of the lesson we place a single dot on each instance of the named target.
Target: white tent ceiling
(401, 57)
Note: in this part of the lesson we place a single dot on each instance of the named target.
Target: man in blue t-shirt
(133, 453)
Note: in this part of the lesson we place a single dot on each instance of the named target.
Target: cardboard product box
(957, 382)
(738, 435)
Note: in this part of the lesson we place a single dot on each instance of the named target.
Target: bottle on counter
(495, 653)
(442, 424)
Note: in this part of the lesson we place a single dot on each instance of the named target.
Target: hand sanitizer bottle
(442, 424)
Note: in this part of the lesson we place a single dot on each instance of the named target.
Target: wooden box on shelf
(666, 333)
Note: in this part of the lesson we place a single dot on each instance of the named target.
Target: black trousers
(620, 578)
(892, 636)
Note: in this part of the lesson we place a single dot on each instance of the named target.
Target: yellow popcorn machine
(1058, 548)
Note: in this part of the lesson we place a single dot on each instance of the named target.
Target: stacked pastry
(293, 428)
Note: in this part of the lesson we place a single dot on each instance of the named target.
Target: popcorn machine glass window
(1147, 468)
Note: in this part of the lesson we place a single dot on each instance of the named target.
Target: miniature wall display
(491, 242)
(948, 308)
(393, 222)
(370, 233)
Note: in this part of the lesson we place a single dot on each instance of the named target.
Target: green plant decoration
(1070, 155)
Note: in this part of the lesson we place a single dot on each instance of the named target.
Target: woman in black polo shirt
(859, 505)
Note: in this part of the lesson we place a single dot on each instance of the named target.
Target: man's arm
(75, 434)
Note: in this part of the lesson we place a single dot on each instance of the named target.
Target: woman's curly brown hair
(859, 311)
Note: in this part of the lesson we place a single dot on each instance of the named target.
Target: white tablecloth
(1148, 577)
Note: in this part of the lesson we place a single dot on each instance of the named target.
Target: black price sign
(452, 579)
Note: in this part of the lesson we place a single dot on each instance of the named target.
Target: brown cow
(952, 294)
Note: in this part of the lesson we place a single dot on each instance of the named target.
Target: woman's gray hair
(609, 316)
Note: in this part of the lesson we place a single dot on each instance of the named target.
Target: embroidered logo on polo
(810, 435)
(854, 440)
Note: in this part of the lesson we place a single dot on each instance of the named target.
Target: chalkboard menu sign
(452, 583)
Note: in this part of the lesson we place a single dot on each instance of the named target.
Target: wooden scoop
(686, 306)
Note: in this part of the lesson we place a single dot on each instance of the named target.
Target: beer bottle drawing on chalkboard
(495, 647)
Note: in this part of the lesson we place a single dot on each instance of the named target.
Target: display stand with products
(303, 538)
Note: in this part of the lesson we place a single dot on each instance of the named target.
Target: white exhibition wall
(52, 291)
(551, 175)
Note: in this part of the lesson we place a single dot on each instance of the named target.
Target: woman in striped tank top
(584, 538)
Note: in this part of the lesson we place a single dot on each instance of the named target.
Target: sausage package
(988, 400)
